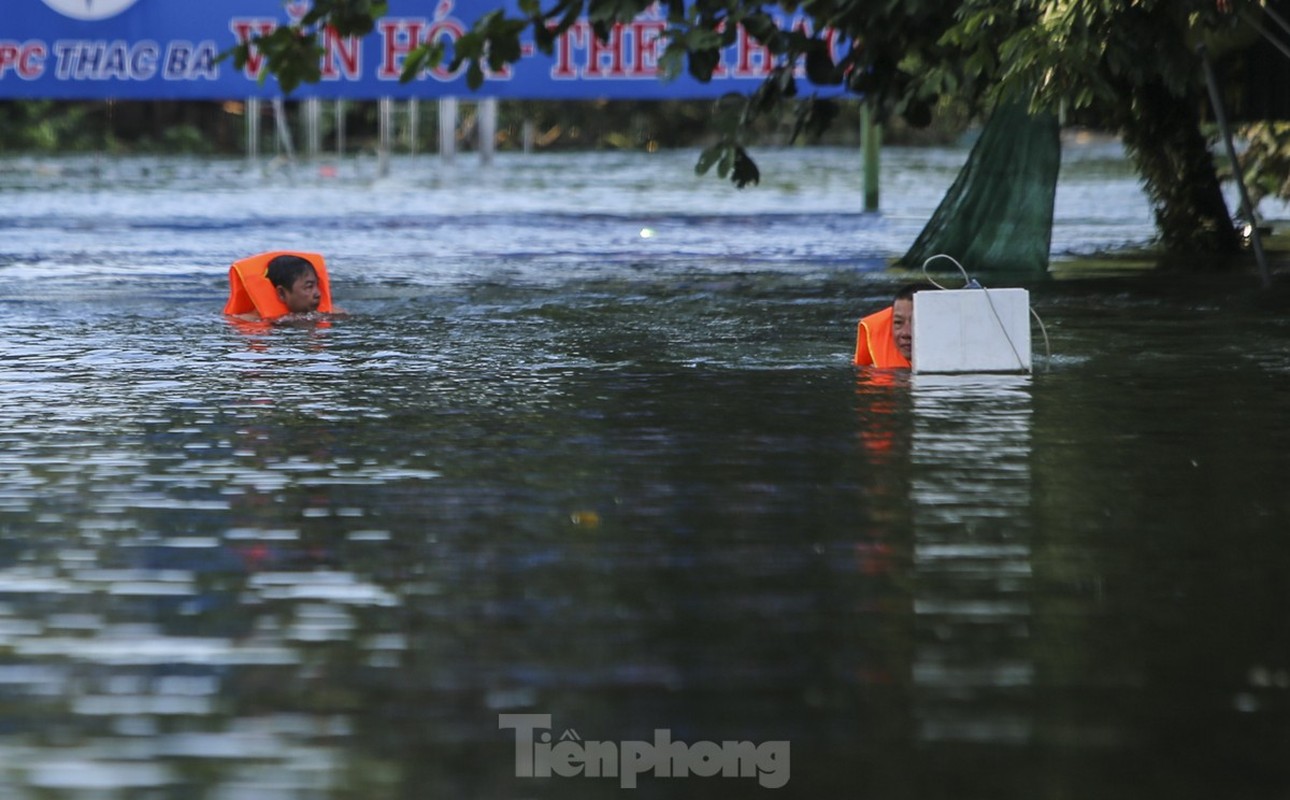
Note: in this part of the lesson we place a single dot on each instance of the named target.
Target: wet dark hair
(285, 270)
(908, 291)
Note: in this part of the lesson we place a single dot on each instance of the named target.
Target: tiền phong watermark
(537, 756)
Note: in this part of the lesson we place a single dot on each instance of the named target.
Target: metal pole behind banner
(340, 129)
(313, 134)
(384, 106)
(280, 123)
(447, 128)
(414, 114)
(487, 129)
(252, 112)
(529, 134)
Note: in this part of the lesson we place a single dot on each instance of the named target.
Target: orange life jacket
(876, 344)
(249, 288)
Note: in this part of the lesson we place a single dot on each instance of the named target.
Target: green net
(998, 214)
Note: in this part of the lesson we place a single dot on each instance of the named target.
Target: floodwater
(588, 449)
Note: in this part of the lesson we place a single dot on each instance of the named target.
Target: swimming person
(278, 284)
(886, 339)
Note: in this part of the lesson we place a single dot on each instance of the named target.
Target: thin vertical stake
(1247, 208)
(870, 145)
(384, 112)
(252, 128)
(313, 138)
(283, 128)
(487, 129)
(414, 124)
(447, 127)
(340, 130)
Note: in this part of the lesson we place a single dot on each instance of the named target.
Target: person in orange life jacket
(298, 282)
(886, 339)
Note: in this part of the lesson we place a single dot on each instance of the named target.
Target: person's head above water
(885, 339)
(902, 319)
(279, 284)
(296, 283)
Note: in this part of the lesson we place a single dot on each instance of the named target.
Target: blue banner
(167, 50)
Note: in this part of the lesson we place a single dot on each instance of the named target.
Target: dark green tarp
(998, 215)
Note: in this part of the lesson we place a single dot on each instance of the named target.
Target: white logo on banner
(89, 9)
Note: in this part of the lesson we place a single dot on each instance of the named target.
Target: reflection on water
(548, 466)
(972, 495)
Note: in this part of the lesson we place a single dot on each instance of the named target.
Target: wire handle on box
(971, 283)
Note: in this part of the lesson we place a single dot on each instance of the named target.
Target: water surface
(589, 444)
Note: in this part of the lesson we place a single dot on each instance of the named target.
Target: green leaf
(239, 53)
(543, 38)
(761, 26)
(672, 62)
(703, 63)
(786, 82)
(745, 170)
(425, 56)
(726, 163)
(730, 114)
(820, 69)
(474, 75)
(570, 17)
(701, 39)
(708, 157)
(814, 117)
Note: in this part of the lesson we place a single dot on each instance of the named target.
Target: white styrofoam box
(972, 330)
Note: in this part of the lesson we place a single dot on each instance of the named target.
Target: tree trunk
(1162, 134)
